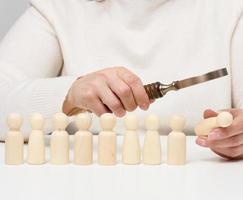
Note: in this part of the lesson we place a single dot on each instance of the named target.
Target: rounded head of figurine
(60, 121)
(152, 122)
(14, 121)
(131, 122)
(107, 121)
(36, 121)
(224, 119)
(177, 123)
(83, 121)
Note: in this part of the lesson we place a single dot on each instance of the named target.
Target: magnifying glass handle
(158, 90)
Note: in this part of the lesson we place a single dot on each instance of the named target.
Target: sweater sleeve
(237, 65)
(30, 61)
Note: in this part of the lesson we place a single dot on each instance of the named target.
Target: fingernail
(152, 100)
(214, 135)
(202, 142)
(144, 106)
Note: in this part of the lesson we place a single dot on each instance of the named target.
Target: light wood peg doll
(14, 141)
(83, 140)
(59, 140)
(176, 142)
(131, 151)
(107, 140)
(152, 145)
(36, 145)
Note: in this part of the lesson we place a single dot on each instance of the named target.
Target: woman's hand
(226, 142)
(114, 90)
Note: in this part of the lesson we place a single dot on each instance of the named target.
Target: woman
(96, 56)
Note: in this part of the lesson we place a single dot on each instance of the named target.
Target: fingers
(223, 133)
(124, 92)
(113, 89)
(233, 141)
(110, 100)
(231, 149)
(98, 108)
(136, 85)
(226, 142)
(94, 104)
(230, 152)
(221, 155)
(202, 141)
(234, 129)
(97, 96)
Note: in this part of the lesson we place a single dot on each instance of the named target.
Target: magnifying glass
(158, 90)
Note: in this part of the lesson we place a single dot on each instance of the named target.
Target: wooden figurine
(131, 152)
(36, 146)
(14, 142)
(59, 144)
(107, 140)
(223, 120)
(83, 140)
(176, 142)
(152, 145)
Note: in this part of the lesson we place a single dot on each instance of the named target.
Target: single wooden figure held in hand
(83, 140)
(107, 140)
(176, 142)
(36, 145)
(131, 151)
(14, 142)
(59, 144)
(204, 127)
(152, 145)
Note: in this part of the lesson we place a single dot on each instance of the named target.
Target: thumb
(209, 113)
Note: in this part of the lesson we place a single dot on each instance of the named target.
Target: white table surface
(205, 176)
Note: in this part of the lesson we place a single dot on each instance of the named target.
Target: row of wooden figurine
(83, 141)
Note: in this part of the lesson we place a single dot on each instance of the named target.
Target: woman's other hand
(226, 142)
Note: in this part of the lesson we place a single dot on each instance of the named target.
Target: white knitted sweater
(158, 40)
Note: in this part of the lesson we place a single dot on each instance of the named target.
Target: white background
(10, 10)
